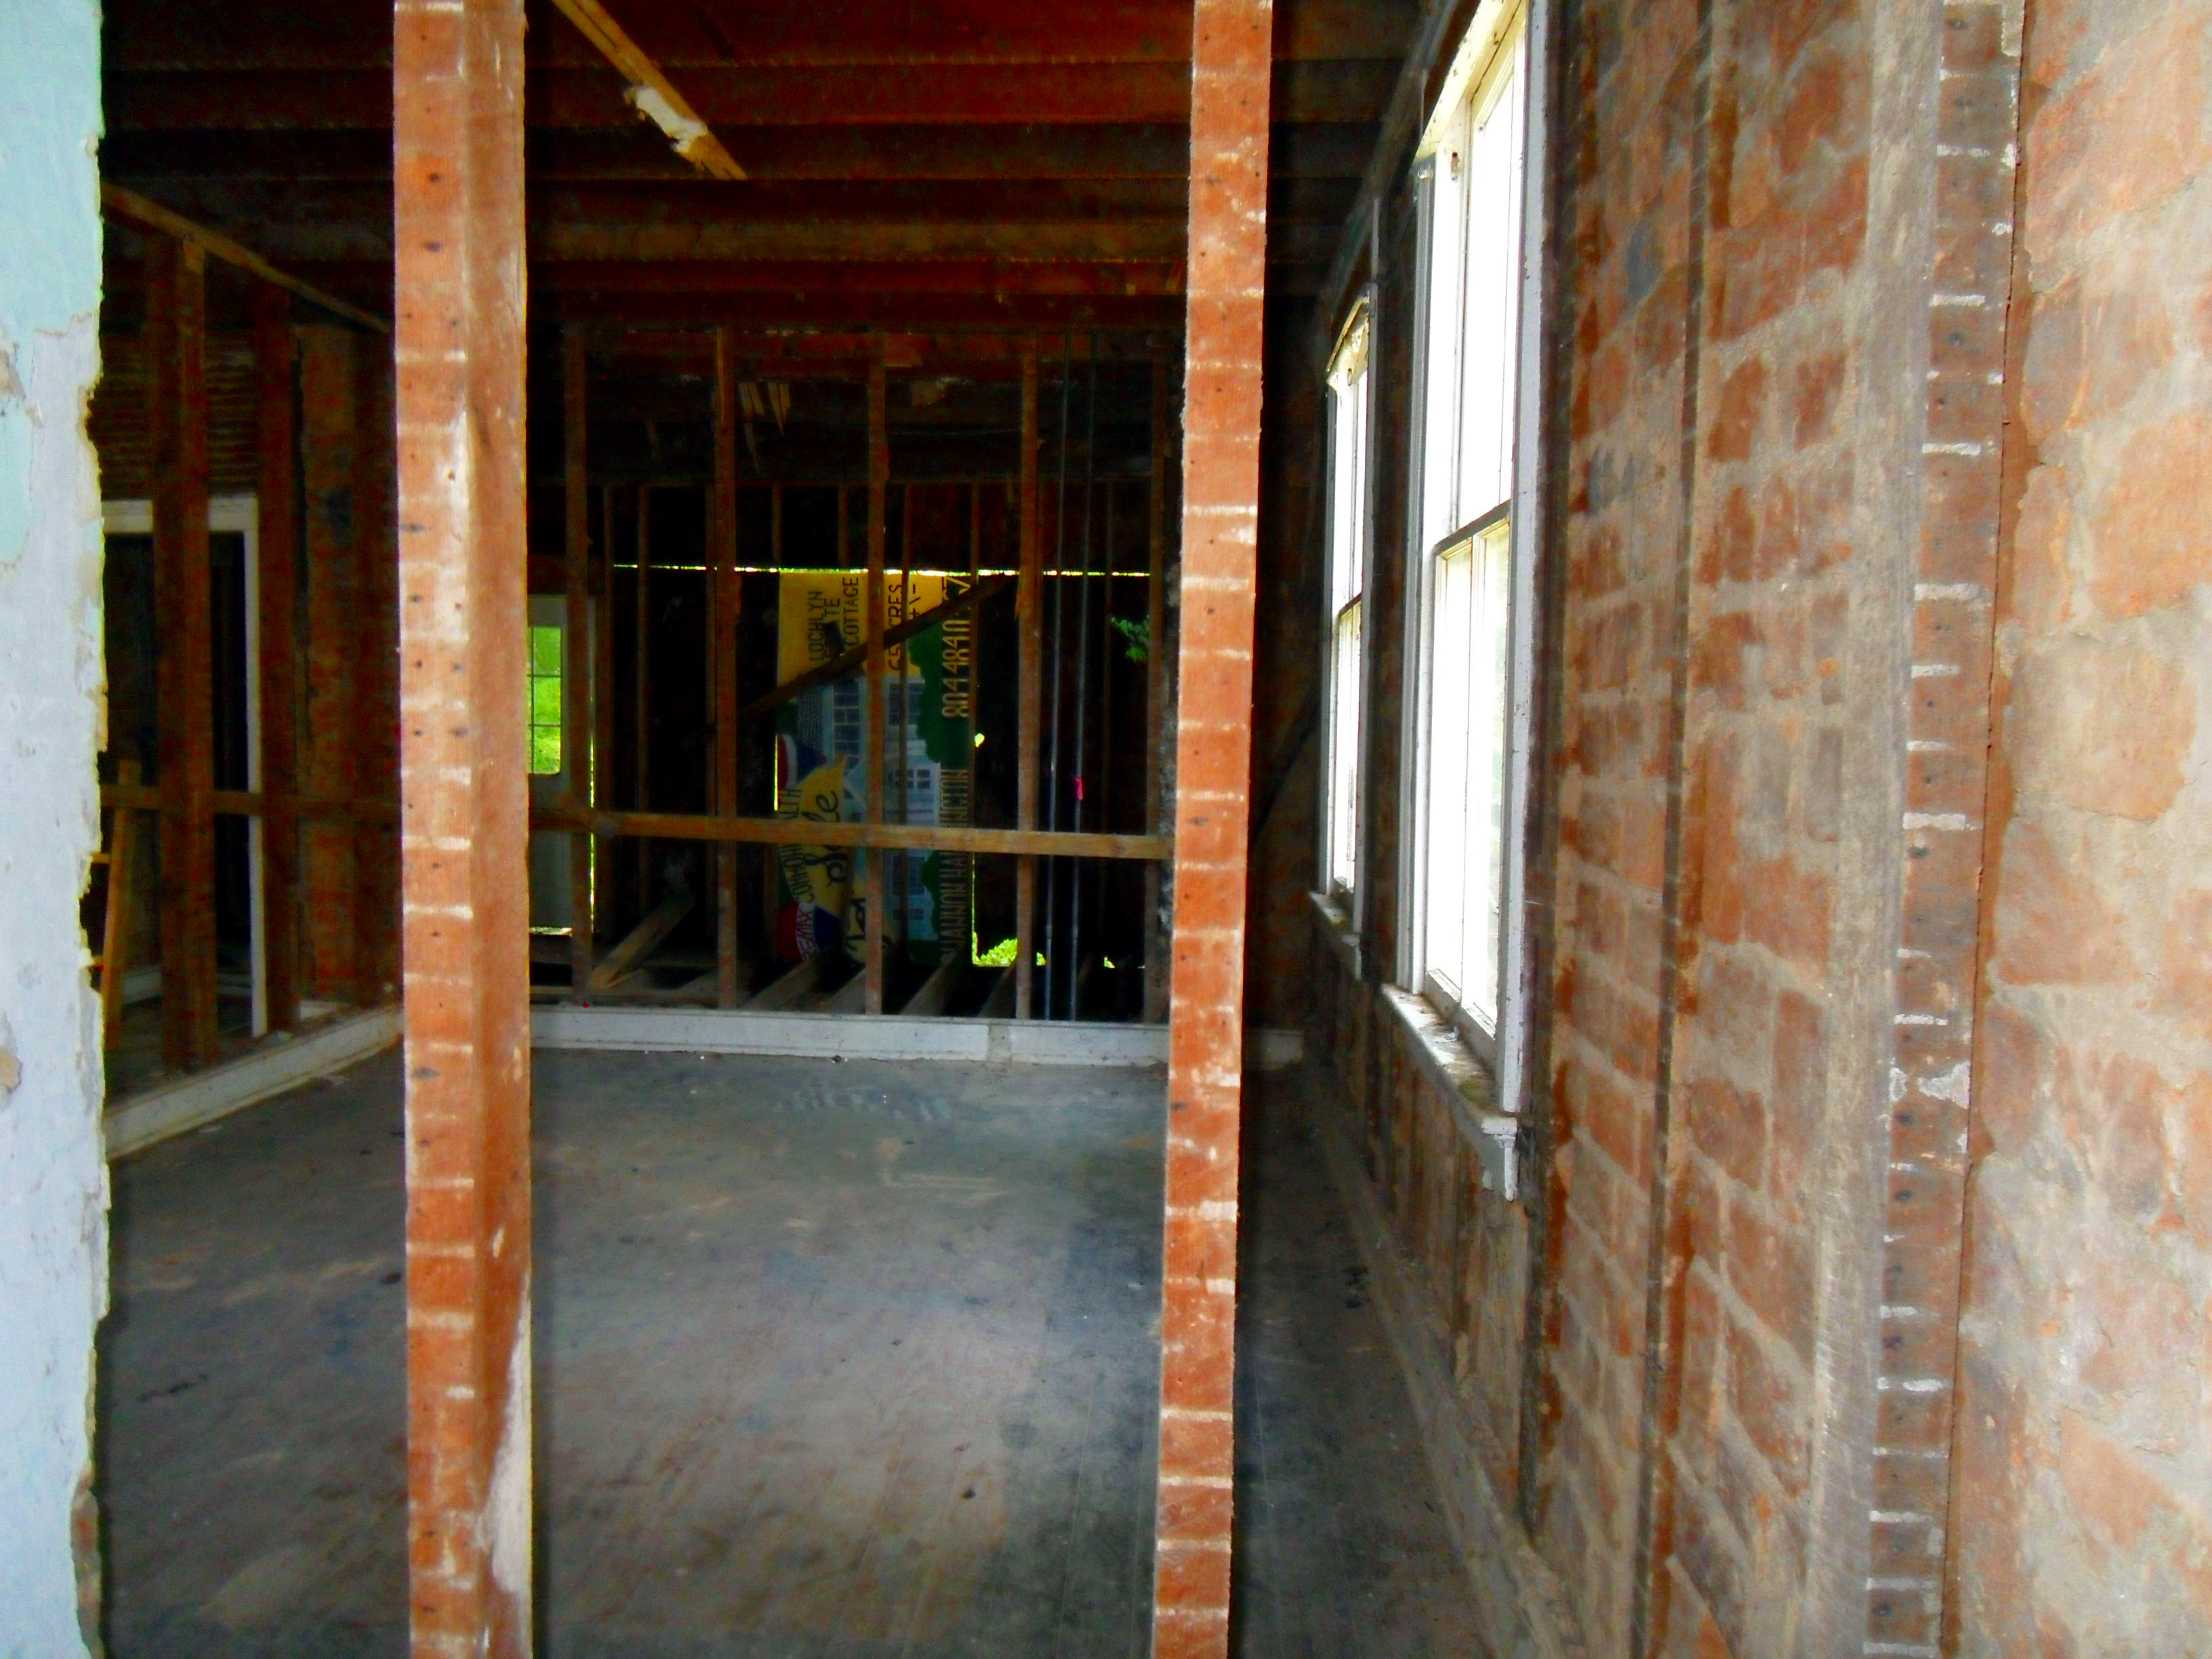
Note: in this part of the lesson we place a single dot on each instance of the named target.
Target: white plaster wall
(53, 1182)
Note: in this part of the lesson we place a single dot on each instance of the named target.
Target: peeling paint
(53, 1279)
(506, 1515)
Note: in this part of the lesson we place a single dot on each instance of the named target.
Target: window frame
(1497, 28)
(1358, 325)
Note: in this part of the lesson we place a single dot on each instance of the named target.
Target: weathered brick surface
(2080, 1521)
(1230, 72)
(458, 95)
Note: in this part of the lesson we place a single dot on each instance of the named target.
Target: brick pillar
(457, 82)
(1229, 65)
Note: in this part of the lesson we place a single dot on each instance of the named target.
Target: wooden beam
(639, 943)
(722, 667)
(457, 132)
(728, 96)
(1338, 151)
(578, 673)
(850, 997)
(839, 666)
(1156, 679)
(277, 34)
(650, 92)
(892, 838)
(1028, 609)
(129, 204)
(602, 698)
(1223, 355)
(121, 855)
(375, 670)
(185, 647)
(642, 759)
(935, 992)
(276, 538)
(840, 296)
(330, 564)
(788, 989)
(880, 470)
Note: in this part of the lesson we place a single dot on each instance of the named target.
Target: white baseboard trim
(881, 1037)
(136, 1122)
(1521, 1607)
(846, 1036)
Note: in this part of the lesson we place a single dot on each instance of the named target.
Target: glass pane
(544, 749)
(544, 650)
(544, 700)
(1344, 750)
(1494, 263)
(1440, 364)
(1486, 776)
(1446, 813)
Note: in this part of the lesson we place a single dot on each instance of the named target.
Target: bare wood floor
(832, 1360)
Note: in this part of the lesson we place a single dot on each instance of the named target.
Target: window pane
(544, 650)
(1344, 751)
(1485, 777)
(1440, 363)
(1492, 283)
(1446, 814)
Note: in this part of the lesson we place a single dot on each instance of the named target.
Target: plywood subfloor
(832, 1360)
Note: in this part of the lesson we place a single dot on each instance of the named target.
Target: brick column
(1230, 60)
(1946, 766)
(457, 75)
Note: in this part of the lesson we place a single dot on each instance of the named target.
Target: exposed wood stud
(879, 468)
(185, 647)
(457, 103)
(121, 856)
(602, 698)
(1156, 678)
(330, 410)
(641, 941)
(578, 668)
(897, 837)
(276, 531)
(375, 672)
(641, 776)
(769, 869)
(723, 597)
(1029, 614)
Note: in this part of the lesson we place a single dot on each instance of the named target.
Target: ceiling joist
(650, 92)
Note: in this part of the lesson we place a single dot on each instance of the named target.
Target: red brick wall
(1779, 279)
(2084, 1460)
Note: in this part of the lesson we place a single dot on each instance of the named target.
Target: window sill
(1468, 1083)
(1337, 927)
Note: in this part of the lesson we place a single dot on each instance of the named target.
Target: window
(1348, 415)
(1470, 354)
(544, 700)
